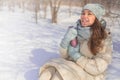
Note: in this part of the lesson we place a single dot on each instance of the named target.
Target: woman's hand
(70, 35)
(74, 52)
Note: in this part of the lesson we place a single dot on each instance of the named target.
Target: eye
(82, 13)
(90, 14)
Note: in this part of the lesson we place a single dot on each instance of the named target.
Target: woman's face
(87, 18)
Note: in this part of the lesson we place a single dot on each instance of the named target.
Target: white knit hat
(97, 9)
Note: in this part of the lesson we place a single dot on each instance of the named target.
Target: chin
(84, 25)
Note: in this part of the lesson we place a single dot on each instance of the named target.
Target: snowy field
(25, 46)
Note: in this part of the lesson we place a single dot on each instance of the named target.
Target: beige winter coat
(87, 67)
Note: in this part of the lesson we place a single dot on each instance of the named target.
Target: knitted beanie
(97, 9)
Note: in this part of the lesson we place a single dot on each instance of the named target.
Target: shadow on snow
(40, 57)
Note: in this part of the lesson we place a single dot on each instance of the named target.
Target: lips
(84, 22)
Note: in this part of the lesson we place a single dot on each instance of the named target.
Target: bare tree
(70, 7)
(108, 4)
(11, 5)
(1, 4)
(54, 5)
(85, 2)
(45, 4)
(36, 4)
(21, 4)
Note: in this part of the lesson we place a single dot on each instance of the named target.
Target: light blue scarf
(83, 32)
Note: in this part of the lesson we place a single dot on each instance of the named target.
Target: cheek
(92, 20)
(81, 17)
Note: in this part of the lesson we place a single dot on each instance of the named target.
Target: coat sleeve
(98, 64)
(63, 53)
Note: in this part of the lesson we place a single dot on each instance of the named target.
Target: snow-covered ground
(25, 46)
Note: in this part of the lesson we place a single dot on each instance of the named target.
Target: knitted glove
(70, 35)
(74, 52)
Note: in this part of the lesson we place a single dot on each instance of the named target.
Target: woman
(86, 49)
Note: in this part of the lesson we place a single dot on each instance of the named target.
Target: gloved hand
(74, 52)
(70, 35)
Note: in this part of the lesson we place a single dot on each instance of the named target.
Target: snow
(25, 46)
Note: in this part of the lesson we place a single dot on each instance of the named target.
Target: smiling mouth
(85, 20)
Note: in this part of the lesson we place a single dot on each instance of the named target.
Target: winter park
(31, 31)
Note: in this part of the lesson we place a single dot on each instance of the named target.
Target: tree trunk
(54, 15)
(85, 2)
(45, 8)
(36, 7)
(54, 5)
(70, 7)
